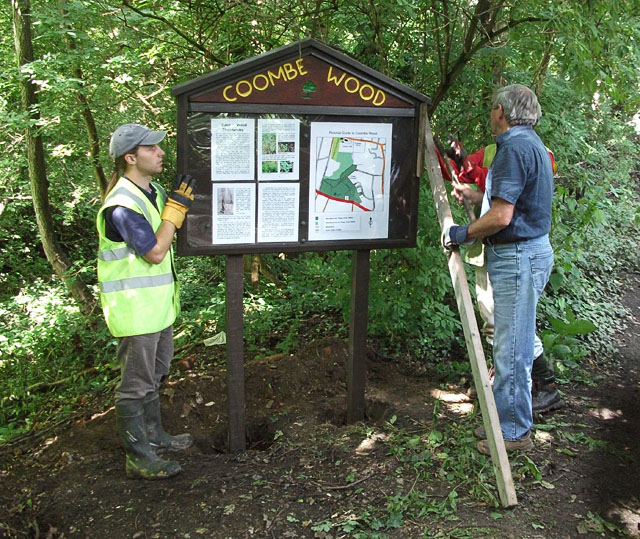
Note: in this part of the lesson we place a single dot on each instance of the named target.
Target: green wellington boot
(158, 438)
(142, 462)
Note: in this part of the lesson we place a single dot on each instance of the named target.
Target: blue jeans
(519, 272)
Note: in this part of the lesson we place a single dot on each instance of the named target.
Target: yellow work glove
(180, 200)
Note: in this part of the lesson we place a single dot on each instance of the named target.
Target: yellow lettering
(369, 89)
(355, 89)
(224, 93)
(255, 82)
(278, 75)
(333, 78)
(290, 71)
(301, 68)
(243, 94)
(380, 98)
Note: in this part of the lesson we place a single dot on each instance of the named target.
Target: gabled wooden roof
(201, 88)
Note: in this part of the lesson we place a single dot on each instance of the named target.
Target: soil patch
(306, 471)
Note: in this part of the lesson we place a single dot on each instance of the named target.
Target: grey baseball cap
(128, 136)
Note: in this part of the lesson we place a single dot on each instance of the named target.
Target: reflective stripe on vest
(139, 201)
(110, 255)
(136, 282)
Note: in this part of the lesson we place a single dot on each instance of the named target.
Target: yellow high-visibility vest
(137, 297)
(490, 153)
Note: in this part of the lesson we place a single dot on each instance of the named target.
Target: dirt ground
(305, 467)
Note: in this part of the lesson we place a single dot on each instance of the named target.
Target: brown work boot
(523, 444)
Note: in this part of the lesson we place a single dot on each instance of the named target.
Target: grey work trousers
(144, 363)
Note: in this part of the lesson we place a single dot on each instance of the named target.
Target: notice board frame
(203, 98)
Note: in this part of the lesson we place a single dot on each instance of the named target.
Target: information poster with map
(349, 174)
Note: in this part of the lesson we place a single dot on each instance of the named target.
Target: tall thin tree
(38, 181)
(85, 111)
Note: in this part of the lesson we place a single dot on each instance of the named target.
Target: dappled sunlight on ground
(542, 436)
(369, 443)
(457, 403)
(449, 396)
(630, 518)
(605, 413)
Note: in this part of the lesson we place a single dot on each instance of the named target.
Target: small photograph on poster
(349, 176)
(278, 210)
(234, 219)
(233, 149)
(225, 196)
(279, 149)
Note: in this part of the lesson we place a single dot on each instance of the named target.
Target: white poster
(279, 149)
(234, 213)
(233, 149)
(349, 176)
(278, 210)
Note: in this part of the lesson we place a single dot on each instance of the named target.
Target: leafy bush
(45, 339)
(411, 306)
(595, 226)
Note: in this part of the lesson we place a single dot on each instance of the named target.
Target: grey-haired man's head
(519, 104)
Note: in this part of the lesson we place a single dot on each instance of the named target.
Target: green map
(350, 172)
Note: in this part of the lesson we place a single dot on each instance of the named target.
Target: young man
(139, 292)
(514, 225)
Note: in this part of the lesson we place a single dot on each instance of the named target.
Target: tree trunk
(537, 84)
(89, 122)
(37, 171)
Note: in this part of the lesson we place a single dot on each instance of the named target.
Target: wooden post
(470, 326)
(356, 368)
(235, 353)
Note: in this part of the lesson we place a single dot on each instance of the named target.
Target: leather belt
(500, 241)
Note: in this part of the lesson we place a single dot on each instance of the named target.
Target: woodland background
(71, 71)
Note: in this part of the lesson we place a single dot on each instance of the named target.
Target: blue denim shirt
(521, 174)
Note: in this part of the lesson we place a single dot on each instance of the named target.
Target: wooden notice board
(299, 149)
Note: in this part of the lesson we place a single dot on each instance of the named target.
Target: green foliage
(595, 224)
(446, 453)
(45, 339)
(122, 61)
(422, 318)
(202, 298)
(594, 523)
(562, 343)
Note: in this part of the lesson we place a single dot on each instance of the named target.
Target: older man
(514, 224)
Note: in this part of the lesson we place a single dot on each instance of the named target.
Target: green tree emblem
(308, 88)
